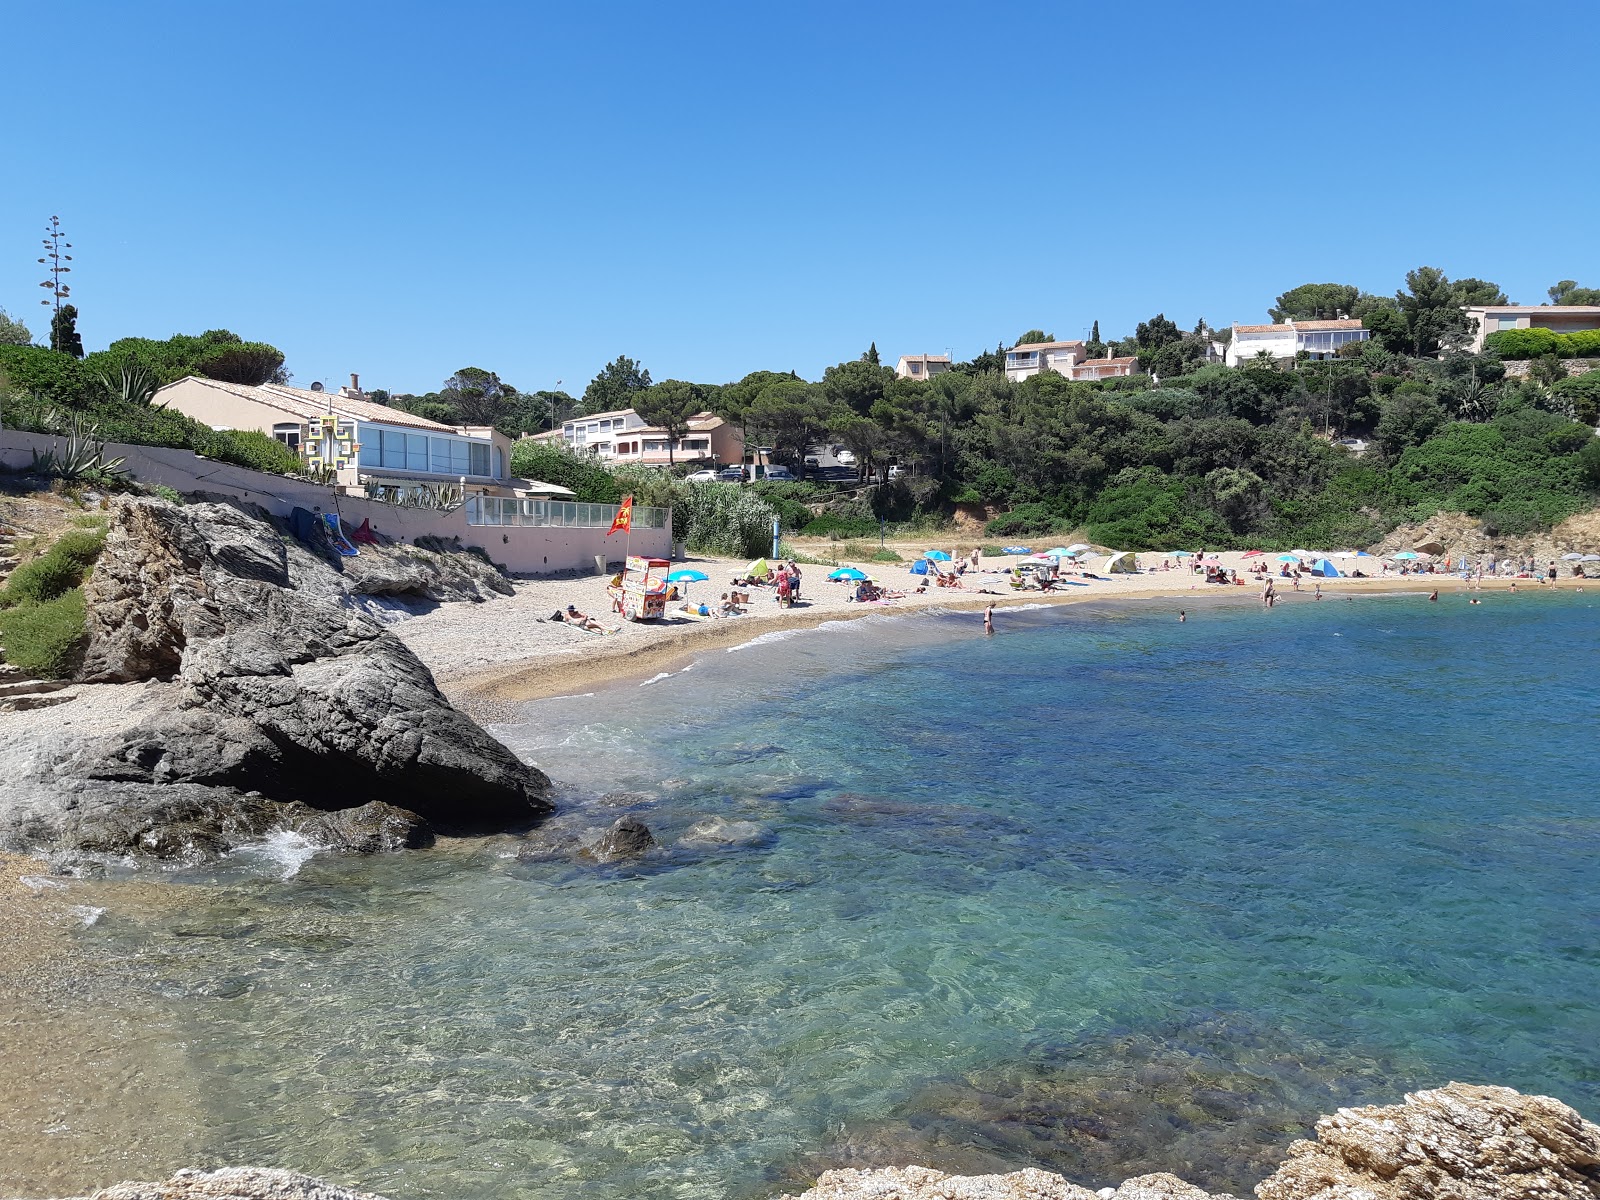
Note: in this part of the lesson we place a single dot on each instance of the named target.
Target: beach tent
(758, 569)
(1326, 569)
(920, 567)
(1121, 563)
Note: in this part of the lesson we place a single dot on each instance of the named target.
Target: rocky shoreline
(1458, 1142)
(279, 703)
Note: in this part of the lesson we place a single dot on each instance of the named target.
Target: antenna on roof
(316, 386)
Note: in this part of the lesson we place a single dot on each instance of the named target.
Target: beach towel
(364, 534)
(303, 525)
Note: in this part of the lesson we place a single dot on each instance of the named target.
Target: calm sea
(1104, 893)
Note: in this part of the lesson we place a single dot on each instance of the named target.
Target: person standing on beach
(988, 619)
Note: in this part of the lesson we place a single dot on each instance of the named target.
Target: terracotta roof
(1106, 362)
(1046, 345)
(925, 358)
(621, 412)
(304, 403)
(1302, 326)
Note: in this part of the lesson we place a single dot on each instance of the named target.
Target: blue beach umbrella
(1288, 558)
(1406, 554)
(1015, 550)
(1059, 552)
(687, 576)
(848, 573)
(1183, 554)
(937, 555)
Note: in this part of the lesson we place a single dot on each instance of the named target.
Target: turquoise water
(1104, 893)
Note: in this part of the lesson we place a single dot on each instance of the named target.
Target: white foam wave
(38, 883)
(657, 678)
(87, 913)
(283, 851)
(766, 639)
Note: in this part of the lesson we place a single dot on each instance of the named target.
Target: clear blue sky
(403, 189)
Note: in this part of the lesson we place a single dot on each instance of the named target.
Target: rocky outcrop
(1459, 1142)
(285, 696)
(234, 1183)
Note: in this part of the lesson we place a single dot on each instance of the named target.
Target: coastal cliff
(276, 701)
(1458, 1142)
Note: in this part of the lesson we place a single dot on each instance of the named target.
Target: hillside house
(625, 437)
(922, 366)
(1027, 359)
(1558, 318)
(1319, 339)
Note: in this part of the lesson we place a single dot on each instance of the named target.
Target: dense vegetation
(1184, 452)
(112, 390)
(1189, 451)
(41, 607)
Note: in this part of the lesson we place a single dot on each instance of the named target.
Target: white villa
(922, 366)
(625, 436)
(1319, 339)
(367, 447)
(1027, 359)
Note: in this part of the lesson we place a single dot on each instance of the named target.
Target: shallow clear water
(1104, 892)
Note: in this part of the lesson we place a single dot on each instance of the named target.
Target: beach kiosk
(640, 592)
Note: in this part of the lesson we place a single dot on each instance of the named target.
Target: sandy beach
(488, 658)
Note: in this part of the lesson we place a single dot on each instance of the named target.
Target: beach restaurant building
(362, 446)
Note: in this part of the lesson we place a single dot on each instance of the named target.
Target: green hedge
(1536, 343)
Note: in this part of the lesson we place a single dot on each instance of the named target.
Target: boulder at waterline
(284, 694)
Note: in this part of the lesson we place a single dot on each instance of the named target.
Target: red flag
(624, 519)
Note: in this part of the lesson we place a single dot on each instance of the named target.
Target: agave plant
(83, 458)
(137, 384)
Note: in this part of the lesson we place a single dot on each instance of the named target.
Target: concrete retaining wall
(522, 551)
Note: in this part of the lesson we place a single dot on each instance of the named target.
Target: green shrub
(1027, 519)
(45, 639)
(248, 448)
(1536, 343)
(56, 572)
(549, 463)
(718, 518)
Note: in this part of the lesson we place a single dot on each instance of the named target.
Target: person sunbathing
(730, 607)
(584, 620)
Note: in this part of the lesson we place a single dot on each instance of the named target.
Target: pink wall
(522, 551)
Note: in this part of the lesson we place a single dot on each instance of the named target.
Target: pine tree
(871, 355)
(64, 331)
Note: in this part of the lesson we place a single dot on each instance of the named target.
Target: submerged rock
(285, 696)
(234, 1183)
(720, 831)
(628, 837)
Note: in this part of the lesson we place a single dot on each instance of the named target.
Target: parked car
(846, 458)
(896, 471)
(706, 476)
(812, 463)
(779, 474)
(730, 475)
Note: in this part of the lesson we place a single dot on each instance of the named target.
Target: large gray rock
(286, 696)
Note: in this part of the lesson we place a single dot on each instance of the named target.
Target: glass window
(479, 452)
(289, 435)
(416, 452)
